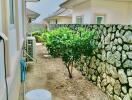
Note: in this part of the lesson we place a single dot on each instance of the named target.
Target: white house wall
(64, 21)
(13, 33)
(12, 46)
(115, 12)
(130, 12)
(21, 22)
(15, 54)
(84, 10)
(2, 72)
(14, 86)
(0, 18)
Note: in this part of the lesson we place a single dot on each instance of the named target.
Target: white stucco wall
(2, 73)
(21, 22)
(14, 83)
(64, 20)
(82, 10)
(130, 12)
(0, 18)
(14, 54)
(60, 20)
(13, 79)
(12, 46)
(115, 12)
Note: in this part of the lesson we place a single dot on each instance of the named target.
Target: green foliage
(38, 38)
(87, 44)
(58, 40)
(70, 45)
(38, 35)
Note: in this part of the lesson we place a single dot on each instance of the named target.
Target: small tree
(69, 45)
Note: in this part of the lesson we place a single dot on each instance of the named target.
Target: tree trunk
(68, 68)
(71, 67)
(70, 74)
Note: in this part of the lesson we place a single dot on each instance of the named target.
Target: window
(29, 20)
(100, 19)
(11, 3)
(56, 21)
(79, 19)
(53, 21)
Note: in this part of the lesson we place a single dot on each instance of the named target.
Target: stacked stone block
(110, 66)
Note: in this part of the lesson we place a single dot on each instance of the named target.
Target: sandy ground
(50, 73)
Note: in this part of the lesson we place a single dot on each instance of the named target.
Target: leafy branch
(69, 45)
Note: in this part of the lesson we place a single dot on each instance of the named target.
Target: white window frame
(103, 19)
(53, 21)
(82, 19)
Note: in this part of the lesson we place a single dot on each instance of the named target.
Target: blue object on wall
(23, 69)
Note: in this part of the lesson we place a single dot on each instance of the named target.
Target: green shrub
(38, 35)
(38, 38)
(69, 45)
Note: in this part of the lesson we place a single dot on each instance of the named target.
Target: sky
(44, 8)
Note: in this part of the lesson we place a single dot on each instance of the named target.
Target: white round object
(38, 94)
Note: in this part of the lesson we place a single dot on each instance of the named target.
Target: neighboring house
(13, 25)
(32, 0)
(100, 11)
(61, 16)
(31, 15)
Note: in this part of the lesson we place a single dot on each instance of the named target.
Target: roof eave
(56, 17)
(70, 3)
(31, 14)
(65, 4)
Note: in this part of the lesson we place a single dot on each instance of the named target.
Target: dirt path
(51, 74)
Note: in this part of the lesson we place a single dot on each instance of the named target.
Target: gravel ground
(50, 73)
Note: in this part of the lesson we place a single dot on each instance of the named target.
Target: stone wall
(110, 66)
